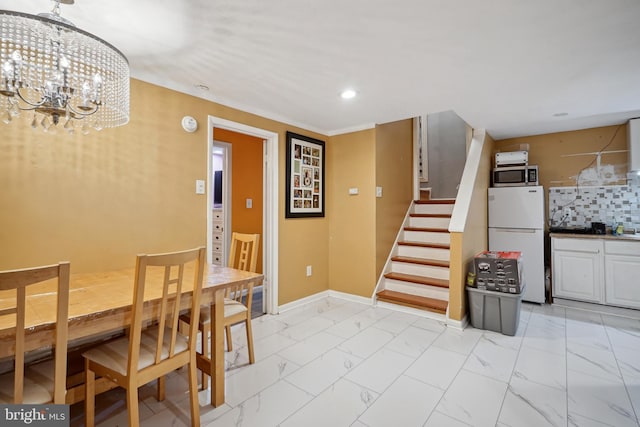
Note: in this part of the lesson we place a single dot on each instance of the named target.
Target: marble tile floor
(340, 363)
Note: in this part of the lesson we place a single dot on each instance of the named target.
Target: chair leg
(162, 382)
(228, 332)
(250, 340)
(89, 395)
(204, 347)
(194, 403)
(132, 405)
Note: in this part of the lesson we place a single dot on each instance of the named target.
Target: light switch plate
(249, 203)
(200, 184)
(353, 191)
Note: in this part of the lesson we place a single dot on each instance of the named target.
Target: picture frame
(304, 195)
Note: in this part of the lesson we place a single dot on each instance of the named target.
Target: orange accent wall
(246, 183)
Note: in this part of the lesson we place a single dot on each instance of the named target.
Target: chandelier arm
(83, 114)
(31, 104)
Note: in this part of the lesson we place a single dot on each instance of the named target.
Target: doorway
(220, 185)
(269, 238)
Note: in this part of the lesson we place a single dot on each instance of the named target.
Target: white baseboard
(302, 301)
(458, 324)
(350, 297)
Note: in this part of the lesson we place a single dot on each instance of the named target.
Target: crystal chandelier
(58, 74)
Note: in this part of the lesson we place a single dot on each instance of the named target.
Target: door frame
(270, 197)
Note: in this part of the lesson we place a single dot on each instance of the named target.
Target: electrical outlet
(308, 270)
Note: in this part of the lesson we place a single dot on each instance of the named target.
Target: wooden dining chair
(43, 382)
(152, 353)
(243, 255)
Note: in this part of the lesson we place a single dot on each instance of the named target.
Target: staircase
(417, 273)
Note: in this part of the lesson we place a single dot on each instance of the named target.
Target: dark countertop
(607, 236)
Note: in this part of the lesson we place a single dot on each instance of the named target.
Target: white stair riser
(420, 270)
(433, 209)
(422, 252)
(429, 222)
(426, 237)
(415, 289)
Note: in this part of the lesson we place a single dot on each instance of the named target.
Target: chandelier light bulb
(7, 69)
(16, 57)
(64, 62)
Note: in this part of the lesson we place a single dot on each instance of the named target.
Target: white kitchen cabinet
(622, 273)
(577, 269)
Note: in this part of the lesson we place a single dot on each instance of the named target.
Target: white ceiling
(504, 65)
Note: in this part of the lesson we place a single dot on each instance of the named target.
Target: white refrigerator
(516, 223)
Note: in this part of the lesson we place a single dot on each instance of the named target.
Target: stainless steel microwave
(515, 176)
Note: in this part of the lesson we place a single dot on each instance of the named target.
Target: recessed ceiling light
(202, 87)
(348, 94)
(560, 114)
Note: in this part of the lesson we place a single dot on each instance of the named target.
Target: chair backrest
(243, 254)
(167, 282)
(18, 281)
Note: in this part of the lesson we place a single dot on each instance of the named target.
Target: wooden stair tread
(420, 280)
(425, 245)
(430, 230)
(419, 215)
(435, 202)
(415, 301)
(422, 261)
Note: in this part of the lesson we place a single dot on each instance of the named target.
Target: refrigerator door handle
(516, 230)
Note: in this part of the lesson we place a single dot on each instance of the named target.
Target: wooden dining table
(100, 303)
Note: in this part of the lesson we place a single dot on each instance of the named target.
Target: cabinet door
(622, 285)
(578, 274)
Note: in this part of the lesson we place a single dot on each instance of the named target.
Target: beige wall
(555, 154)
(352, 238)
(363, 227)
(99, 199)
(394, 173)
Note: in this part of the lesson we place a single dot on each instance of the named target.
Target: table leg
(217, 349)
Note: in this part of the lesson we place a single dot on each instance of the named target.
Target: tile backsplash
(608, 204)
